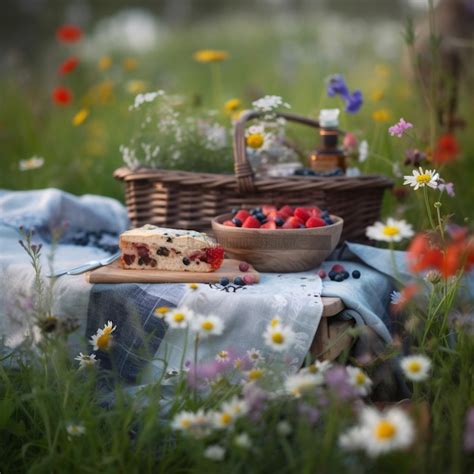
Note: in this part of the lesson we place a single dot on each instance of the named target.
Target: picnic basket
(188, 200)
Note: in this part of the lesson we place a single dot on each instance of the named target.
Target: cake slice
(158, 248)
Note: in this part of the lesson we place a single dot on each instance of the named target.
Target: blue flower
(336, 85)
(354, 102)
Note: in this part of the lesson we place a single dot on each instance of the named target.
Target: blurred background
(282, 47)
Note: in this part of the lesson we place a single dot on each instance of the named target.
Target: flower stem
(428, 209)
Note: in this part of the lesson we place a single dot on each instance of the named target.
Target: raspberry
(244, 267)
(315, 222)
(242, 215)
(322, 274)
(286, 211)
(267, 209)
(302, 214)
(251, 223)
(314, 211)
(215, 257)
(249, 279)
(338, 268)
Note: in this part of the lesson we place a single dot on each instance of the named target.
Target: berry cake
(158, 248)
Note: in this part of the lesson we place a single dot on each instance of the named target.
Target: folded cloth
(82, 220)
(246, 311)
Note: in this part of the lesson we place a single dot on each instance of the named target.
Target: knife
(85, 267)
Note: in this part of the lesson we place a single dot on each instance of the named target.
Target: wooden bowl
(282, 250)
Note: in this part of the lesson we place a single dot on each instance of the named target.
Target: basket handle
(243, 170)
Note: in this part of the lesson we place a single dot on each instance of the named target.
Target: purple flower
(469, 430)
(204, 373)
(400, 128)
(354, 102)
(448, 187)
(337, 86)
(310, 414)
(256, 399)
(338, 380)
(414, 157)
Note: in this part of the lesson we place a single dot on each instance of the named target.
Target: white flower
(391, 231)
(269, 103)
(416, 367)
(284, 428)
(214, 452)
(395, 297)
(102, 340)
(319, 367)
(301, 383)
(359, 380)
(222, 356)
(363, 150)
(257, 139)
(74, 429)
(86, 361)
(208, 325)
(278, 337)
(422, 178)
(33, 163)
(179, 318)
(147, 97)
(229, 412)
(380, 432)
(255, 356)
(243, 441)
(197, 424)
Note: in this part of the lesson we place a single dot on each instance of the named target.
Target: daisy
(422, 178)
(161, 311)
(255, 356)
(197, 424)
(86, 361)
(278, 337)
(302, 383)
(235, 406)
(257, 139)
(102, 340)
(178, 318)
(33, 163)
(193, 286)
(381, 432)
(359, 380)
(243, 441)
(208, 325)
(222, 356)
(319, 367)
(75, 429)
(214, 452)
(416, 367)
(391, 231)
(254, 374)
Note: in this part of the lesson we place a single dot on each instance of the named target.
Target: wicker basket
(187, 200)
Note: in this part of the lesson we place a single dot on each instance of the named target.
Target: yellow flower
(377, 95)
(381, 115)
(104, 63)
(101, 93)
(232, 106)
(102, 340)
(254, 374)
(136, 86)
(129, 64)
(210, 56)
(382, 70)
(80, 117)
(255, 140)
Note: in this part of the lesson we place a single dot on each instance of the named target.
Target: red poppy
(68, 66)
(447, 149)
(68, 33)
(62, 95)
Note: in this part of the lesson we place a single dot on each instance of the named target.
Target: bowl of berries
(284, 239)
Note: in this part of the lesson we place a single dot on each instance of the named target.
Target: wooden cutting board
(113, 273)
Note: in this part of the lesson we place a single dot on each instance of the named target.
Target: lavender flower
(336, 85)
(443, 186)
(400, 128)
(337, 379)
(354, 102)
(469, 430)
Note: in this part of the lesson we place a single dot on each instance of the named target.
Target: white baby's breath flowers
(243, 441)
(278, 337)
(283, 428)
(214, 452)
(380, 432)
(75, 429)
(363, 150)
(102, 339)
(302, 383)
(359, 380)
(86, 361)
(33, 163)
(207, 325)
(179, 318)
(269, 103)
(420, 178)
(391, 231)
(416, 367)
(147, 97)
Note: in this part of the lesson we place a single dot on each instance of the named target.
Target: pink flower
(350, 141)
(399, 128)
(447, 187)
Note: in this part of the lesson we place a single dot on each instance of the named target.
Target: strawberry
(269, 225)
(229, 224)
(251, 223)
(315, 222)
(274, 215)
(242, 215)
(292, 223)
(267, 208)
(287, 211)
(214, 257)
(314, 211)
(302, 214)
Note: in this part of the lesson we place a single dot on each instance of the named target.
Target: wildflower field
(94, 103)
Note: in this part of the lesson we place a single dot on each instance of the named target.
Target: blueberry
(261, 217)
(279, 221)
(237, 222)
(238, 281)
(332, 275)
(345, 275)
(356, 274)
(328, 220)
(339, 277)
(224, 281)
